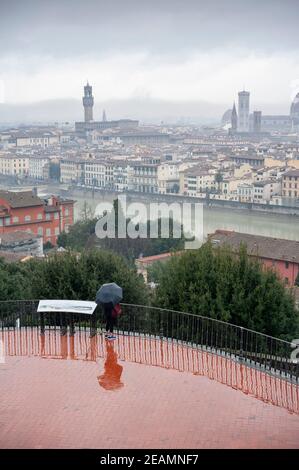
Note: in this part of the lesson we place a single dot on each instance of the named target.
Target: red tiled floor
(140, 393)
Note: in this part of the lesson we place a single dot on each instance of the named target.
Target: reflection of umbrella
(109, 293)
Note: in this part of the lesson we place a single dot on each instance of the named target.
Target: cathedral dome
(294, 112)
(226, 118)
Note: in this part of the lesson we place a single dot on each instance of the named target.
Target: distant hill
(146, 110)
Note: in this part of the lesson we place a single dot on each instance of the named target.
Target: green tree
(78, 236)
(82, 235)
(155, 271)
(86, 212)
(218, 179)
(217, 283)
(14, 284)
(79, 276)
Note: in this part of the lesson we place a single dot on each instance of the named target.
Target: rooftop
(19, 199)
(61, 391)
(18, 236)
(152, 259)
(257, 245)
(291, 173)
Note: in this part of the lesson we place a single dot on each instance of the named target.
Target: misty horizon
(146, 110)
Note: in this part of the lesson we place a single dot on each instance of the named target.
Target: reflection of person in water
(110, 379)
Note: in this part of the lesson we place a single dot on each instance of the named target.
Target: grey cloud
(65, 28)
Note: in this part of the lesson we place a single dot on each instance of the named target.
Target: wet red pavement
(62, 392)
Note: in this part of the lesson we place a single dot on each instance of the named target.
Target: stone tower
(88, 103)
(257, 121)
(234, 119)
(243, 111)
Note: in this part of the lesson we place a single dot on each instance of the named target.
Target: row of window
(28, 218)
(48, 231)
(290, 178)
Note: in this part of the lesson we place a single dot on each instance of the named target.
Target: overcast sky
(177, 51)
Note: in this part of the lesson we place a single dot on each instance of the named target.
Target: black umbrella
(109, 293)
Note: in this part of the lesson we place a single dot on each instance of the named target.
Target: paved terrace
(61, 391)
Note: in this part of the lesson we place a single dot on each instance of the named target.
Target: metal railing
(254, 349)
(151, 352)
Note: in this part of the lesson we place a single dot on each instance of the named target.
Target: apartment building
(143, 177)
(39, 167)
(263, 191)
(14, 165)
(196, 181)
(25, 211)
(36, 139)
(290, 184)
(168, 177)
(121, 172)
(72, 171)
(95, 173)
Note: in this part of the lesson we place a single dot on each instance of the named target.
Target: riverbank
(244, 220)
(211, 202)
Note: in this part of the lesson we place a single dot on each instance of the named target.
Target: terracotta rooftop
(21, 198)
(257, 245)
(152, 259)
(60, 391)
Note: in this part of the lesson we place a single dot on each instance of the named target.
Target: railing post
(161, 334)
(42, 323)
(93, 324)
(241, 357)
(63, 325)
(72, 326)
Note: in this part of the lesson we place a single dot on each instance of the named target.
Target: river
(241, 220)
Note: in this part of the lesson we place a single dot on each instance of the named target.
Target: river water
(245, 221)
(240, 220)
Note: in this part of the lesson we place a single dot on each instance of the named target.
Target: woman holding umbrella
(109, 296)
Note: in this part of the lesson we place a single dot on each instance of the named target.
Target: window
(287, 264)
(56, 215)
(48, 232)
(15, 219)
(66, 211)
(40, 231)
(56, 231)
(27, 218)
(48, 216)
(39, 216)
